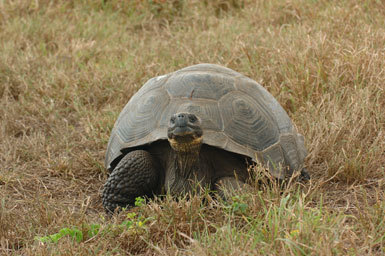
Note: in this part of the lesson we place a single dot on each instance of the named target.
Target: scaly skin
(137, 174)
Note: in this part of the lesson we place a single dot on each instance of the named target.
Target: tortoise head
(185, 133)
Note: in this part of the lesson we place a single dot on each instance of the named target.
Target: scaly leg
(137, 174)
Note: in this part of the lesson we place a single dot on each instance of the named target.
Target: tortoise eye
(192, 119)
(172, 120)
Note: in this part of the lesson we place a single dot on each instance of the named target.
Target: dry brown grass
(68, 67)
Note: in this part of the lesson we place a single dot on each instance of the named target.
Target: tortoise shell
(237, 115)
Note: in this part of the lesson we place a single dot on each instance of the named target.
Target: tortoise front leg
(226, 186)
(137, 174)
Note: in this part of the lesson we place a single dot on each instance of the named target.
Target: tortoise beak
(182, 131)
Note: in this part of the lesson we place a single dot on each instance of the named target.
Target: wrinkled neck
(186, 156)
(186, 163)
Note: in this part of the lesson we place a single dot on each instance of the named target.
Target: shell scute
(201, 85)
(246, 123)
(264, 98)
(141, 115)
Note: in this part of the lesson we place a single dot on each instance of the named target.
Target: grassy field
(67, 68)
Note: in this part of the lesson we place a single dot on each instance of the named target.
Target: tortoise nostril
(181, 116)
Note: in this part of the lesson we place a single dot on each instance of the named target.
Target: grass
(67, 68)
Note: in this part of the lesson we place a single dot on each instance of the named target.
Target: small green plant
(237, 205)
(132, 221)
(74, 233)
(140, 201)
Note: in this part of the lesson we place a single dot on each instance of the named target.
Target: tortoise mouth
(184, 131)
(185, 139)
(189, 143)
(184, 134)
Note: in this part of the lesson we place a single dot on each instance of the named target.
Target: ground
(67, 68)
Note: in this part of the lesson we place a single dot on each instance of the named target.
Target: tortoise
(203, 124)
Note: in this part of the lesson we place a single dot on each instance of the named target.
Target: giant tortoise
(202, 125)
